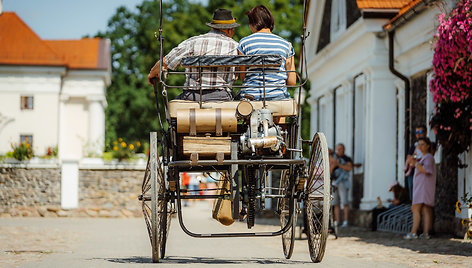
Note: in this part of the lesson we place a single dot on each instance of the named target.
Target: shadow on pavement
(438, 244)
(134, 259)
(204, 260)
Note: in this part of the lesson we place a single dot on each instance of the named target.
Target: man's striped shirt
(275, 78)
(212, 43)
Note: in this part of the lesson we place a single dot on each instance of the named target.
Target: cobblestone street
(80, 242)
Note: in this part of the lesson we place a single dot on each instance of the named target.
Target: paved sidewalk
(92, 242)
(441, 250)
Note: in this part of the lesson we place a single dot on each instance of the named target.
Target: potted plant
(465, 204)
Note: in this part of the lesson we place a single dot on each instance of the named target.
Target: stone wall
(110, 192)
(28, 191)
(25, 187)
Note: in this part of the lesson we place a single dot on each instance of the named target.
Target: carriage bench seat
(279, 108)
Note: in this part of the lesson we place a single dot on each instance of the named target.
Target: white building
(360, 97)
(52, 92)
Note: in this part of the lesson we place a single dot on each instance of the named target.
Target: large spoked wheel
(317, 197)
(164, 230)
(288, 238)
(156, 209)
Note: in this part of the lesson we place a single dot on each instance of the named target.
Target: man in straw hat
(218, 41)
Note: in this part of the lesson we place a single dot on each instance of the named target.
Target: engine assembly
(262, 135)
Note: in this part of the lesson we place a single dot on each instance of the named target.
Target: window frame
(338, 18)
(27, 102)
(29, 137)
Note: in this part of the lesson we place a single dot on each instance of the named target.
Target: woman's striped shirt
(275, 78)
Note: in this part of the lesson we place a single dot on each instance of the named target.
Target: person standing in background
(341, 169)
(413, 152)
(424, 188)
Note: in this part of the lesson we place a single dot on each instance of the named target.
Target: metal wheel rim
(288, 238)
(318, 184)
(165, 229)
(155, 211)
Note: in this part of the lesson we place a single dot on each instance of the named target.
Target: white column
(96, 131)
(70, 183)
(62, 151)
(344, 117)
(312, 101)
(401, 134)
(360, 121)
(313, 119)
(380, 138)
(326, 117)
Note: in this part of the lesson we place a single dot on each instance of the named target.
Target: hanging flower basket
(452, 81)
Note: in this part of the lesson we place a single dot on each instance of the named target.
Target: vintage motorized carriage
(244, 141)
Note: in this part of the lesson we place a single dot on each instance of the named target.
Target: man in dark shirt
(341, 171)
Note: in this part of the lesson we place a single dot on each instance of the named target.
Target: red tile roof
(79, 54)
(381, 4)
(403, 10)
(19, 45)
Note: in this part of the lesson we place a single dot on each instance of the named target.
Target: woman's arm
(427, 167)
(242, 69)
(291, 76)
(421, 168)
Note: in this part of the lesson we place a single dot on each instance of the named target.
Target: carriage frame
(249, 140)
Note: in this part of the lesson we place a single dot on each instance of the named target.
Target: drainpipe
(406, 80)
(398, 22)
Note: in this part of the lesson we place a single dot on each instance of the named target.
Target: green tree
(131, 111)
(287, 15)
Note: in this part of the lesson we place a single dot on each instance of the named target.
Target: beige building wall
(42, 121)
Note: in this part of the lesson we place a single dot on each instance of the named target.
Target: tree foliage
(131, 112)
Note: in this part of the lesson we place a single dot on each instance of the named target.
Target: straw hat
(223, 19)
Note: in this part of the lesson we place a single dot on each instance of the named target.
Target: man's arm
(291, 76)
(173, 59)
(154, 73)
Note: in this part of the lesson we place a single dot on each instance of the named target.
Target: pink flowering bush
(452, 82)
